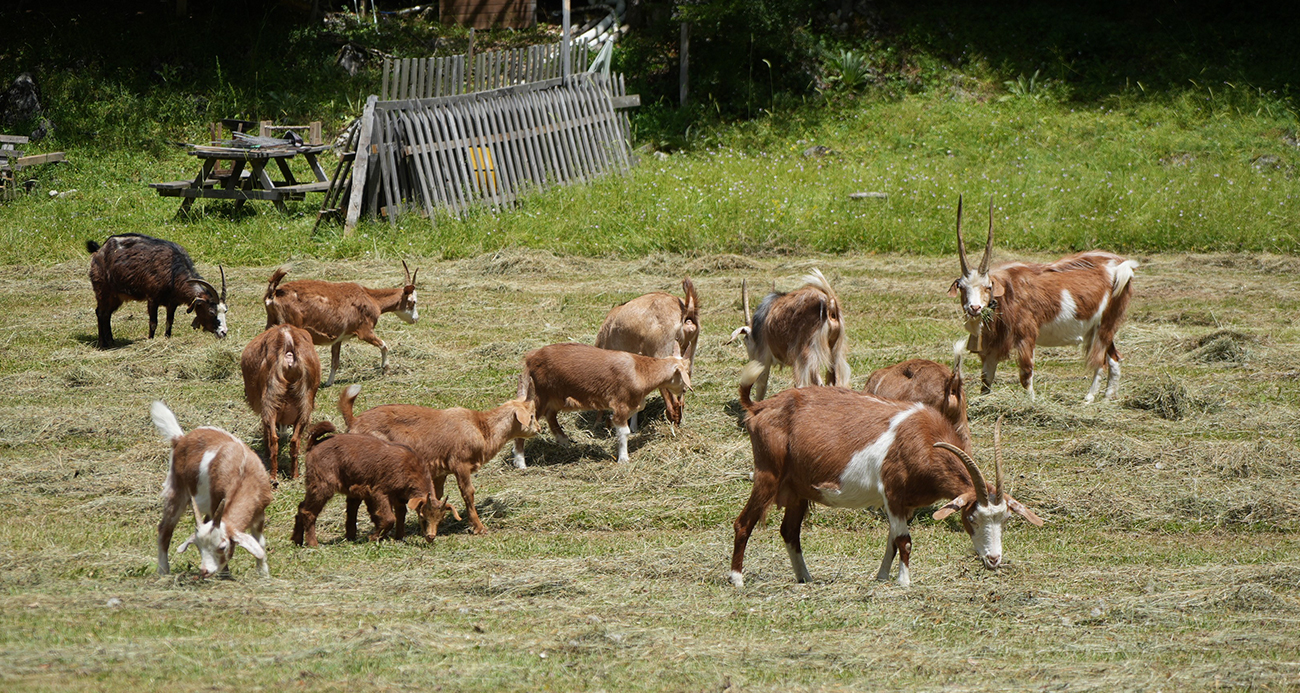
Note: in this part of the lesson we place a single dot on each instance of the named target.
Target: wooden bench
(13, 160)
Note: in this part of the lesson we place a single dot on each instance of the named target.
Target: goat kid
(452, 442)
(1079, 300)
(223, 481)
(578, 377)
(803, 329)
(281, 376)
(660, 325)
(334, 312)
(134, 267)
(845, 449)
(930, 383)
(389, 477)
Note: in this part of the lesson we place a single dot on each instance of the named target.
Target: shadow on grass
(92, 340)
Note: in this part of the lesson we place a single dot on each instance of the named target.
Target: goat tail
(346, 401)
(318, 433)
(272, 314)
(92, 247)
(753, 370)
(837, 344)
(816, 279)
(692, 301)
(165, 421)
(1123, 274)
(959, 355)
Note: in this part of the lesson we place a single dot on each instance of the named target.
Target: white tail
(1123, 274)
(163, 418)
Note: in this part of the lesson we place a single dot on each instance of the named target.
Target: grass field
(1169, 560)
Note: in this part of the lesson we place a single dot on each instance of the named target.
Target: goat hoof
(737, 580)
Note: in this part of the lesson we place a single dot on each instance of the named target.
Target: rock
(662, 156)
(21, 101)
(1267, 162)
(869, 196)
(818, 151)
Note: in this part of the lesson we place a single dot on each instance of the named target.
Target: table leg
(236, 170)
(259, 172)
(285, 170)
(316, 168)
(199, 182)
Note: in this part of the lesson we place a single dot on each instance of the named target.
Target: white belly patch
(1068, 328)
(860, 483)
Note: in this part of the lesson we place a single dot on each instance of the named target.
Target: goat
(389, 477)
(660, 325)
(281, 376)
(578, 377)
(452, 442)
(333, 312)
(845, 449)
(929, 383)
(803, 329)
(222, 479)
(1077, 300)
(135, 267)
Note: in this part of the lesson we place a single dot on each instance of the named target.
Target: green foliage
(847, 69)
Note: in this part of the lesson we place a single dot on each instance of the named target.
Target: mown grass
(1169, 558)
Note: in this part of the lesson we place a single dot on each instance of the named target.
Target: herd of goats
(900, 444)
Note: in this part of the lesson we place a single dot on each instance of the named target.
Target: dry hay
(1170, 399)
(1222, 346)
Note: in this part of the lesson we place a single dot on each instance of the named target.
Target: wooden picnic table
(247, 178)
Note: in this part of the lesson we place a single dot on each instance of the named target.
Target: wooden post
(684, 53)
(566, 36)
(469, 59)
(313, 133)
(360, 167)
(264, 128)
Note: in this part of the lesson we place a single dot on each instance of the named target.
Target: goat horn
(988, 248)
(198, 516)
(977, 479)
(222, 270)
(415, 274)
(997, 462)
(408, 271)
(205, 283)
(744, 298)
(961, 242)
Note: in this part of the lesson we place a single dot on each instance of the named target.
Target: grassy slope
(1169, 557)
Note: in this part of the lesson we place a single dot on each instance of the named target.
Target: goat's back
(232, 465)
(650, 325)
(139, 267)
(327, 310)
(352, 459)
(281, 369)
(915, 380)
(783, 322)
(587, 374)
(436, 435)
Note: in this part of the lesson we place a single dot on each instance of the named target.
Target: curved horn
(222, 270)
(408, 272)
(998, 495)
(205, 283)
(961, 242)
(744, 298)
(415, 274)
(988, 247)
(198, 516)
(977, 479)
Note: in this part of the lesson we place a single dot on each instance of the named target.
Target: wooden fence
(424, 78)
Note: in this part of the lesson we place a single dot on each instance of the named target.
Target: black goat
(135, 267)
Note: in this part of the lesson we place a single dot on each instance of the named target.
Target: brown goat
(930, 383)
(134, 267)
(333, 312)
(388, 477)
(660, 325)
(803, 329)
(281, 375)
(578, 377)
(452, 442)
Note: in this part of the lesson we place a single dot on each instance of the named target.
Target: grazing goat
(803, 329)
(223, 481)
(334, 312)
(660, 325)
(449, 441)
(578, 377)
(281, 375)
(849, 450)
(1077, 300)
(930, 383)
(389, 477)
(134, 267)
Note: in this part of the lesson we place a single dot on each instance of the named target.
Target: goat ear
(955, 289)
(998, 289)
(522, 417)
(250, 545)
(186, 544)
(743, 330)
(1019, 508)
(686, 375)
(193, 303)
(415, 502)
(953, 506)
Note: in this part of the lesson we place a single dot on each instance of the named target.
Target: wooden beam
(360, 168)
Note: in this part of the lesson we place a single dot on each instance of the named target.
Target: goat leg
(399, 516)
(153, 318)
(174, 502)
(350, 524)
(381, 513)
(466, 484)
(334, 362)
(171, 317)
(761, 496)
(791, 526)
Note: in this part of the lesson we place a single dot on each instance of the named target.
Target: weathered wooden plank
(433, 162)
(421, 177)
(481, 153)
(463, 154)
(458, 181)
(359, 168)
(14, 139)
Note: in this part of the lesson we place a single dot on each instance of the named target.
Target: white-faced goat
(453, 442)
(803, 329)
(578, 377)
(845, 449)
(334, 312)
(223, 481)
(1079, 300)
(134, 267)
(660, 325)
(281, 376)
(930, 383)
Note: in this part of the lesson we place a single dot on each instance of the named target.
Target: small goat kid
(281, 376)
(803, 329)
(849, 450)
(388, 477)
(218, 476)
(1079, 300)
(333, 312)
(134, 267)
(449, 441)
(660, 325)
(578, 377)
(930, 383)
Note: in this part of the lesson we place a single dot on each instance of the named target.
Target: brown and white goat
(223, 481)
(1079, 300)
(452, 442)
(281, 376)
(930, 383)
(803, 329)
(389, 477)
(845, 449)
(135, 267)
(660, 325)
(578, 377)
(334, 312)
